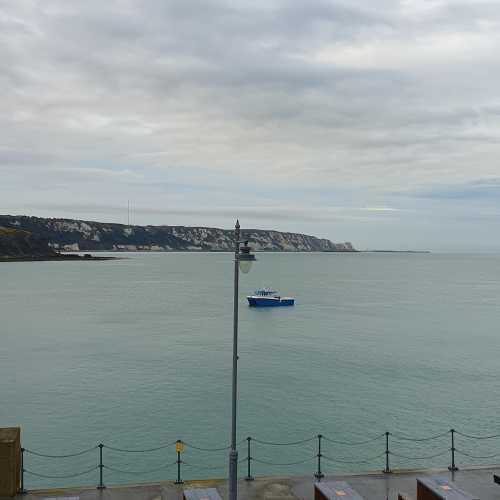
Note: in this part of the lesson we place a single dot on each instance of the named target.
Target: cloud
(140, 214)
(412, 54)
(237, 104)
(481, 190)
(24, 157)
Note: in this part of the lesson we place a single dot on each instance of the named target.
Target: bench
(335, 490)
(440, 488)
(201, 494)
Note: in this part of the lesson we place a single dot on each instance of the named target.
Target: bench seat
(201, 494)
(440, 488)
(335, 490)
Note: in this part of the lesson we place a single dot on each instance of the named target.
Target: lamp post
(242, 261)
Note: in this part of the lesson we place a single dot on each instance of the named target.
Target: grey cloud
(91, 89)
(252, 213)
(24, 157)
(466, 15)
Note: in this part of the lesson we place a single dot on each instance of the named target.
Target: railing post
(249, 459)
(387, 467)
(453, 467)
(101, 467)
(178, 449)
(22, 491)
(318, 475)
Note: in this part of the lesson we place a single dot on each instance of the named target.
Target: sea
(136, 353)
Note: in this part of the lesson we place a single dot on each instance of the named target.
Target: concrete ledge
(372, 486)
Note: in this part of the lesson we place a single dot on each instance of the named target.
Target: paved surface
(370, 486)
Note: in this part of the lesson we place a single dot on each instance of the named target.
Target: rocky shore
(17, 245)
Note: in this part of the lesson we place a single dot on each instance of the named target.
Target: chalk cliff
(78, 235)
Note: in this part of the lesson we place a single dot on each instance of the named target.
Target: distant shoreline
(72, 257)
(255, 251)
(394, 251)
(201, 250)
(57, 258)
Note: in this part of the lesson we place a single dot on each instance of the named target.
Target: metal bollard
(101, 467)
(249, 459)
(387, 468)
(178, 449)
(452, 467)
(318, 475)
(22, 491)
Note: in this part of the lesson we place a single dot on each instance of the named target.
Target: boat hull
(270, 301)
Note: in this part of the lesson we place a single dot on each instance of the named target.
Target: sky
(370, 121)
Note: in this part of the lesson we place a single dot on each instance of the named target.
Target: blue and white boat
(265, 297)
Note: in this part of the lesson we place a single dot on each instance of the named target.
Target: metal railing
(322, 450)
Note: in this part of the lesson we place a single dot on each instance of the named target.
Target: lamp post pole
(243, 259)
(233, 453)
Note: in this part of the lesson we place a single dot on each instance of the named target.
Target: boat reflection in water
(265, 297)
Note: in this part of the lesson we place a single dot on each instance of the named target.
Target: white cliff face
(85, 229)
(202, 237)
(74, 247)
(69, 226)
(218, 239)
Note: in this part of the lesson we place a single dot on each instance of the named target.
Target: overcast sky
(372, 121)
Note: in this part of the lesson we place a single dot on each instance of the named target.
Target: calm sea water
(135, 353)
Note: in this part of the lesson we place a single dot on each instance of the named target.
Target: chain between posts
(318, 457)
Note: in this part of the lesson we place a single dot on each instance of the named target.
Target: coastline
(58, 258)
(394, 251)
(62, 257)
